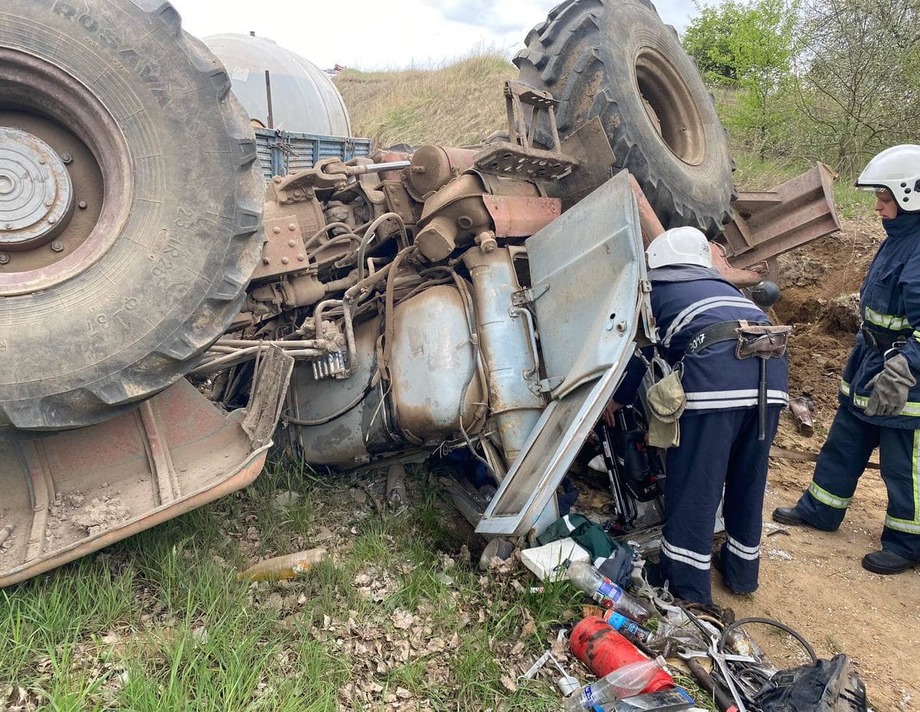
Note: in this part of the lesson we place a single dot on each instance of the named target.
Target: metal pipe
(232, 359)
(506, 347)
(371, 230)
(291, 344)
(376, 167)
(268, 98)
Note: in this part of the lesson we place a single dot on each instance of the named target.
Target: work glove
(890, 387)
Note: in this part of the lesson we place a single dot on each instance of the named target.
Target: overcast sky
(386, 35)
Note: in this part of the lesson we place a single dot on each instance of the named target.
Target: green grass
(160, 621)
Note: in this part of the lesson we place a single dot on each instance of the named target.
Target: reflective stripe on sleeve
(886, 321)
(825, 497)
(911, 408)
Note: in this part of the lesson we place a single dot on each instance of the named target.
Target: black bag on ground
(824, 686)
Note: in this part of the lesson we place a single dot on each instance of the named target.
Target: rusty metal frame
(170, 455)
(769, 223)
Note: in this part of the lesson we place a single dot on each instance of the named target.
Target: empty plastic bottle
(587, 578)
(674, 700)
(623, 682)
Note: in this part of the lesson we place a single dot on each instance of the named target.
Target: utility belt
(764, 341)
(881, 341)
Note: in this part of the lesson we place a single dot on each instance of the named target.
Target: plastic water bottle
(587, 578)
(629, 629)
(623, 682)
(674, 700)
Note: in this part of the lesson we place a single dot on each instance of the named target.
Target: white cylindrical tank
(303, 97)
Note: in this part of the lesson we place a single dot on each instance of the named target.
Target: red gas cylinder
(604, 650)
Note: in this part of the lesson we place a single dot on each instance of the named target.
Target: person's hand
(890, 387)
(611, 408)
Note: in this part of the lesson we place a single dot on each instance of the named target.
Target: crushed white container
(545, 561)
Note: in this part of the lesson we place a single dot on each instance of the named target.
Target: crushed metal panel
(70, 493)
(546, 457)
(588, 266)
(588, 269)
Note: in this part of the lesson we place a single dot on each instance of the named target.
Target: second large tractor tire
(616, 60)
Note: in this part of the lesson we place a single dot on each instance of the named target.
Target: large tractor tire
(616, 60)
(130, 207)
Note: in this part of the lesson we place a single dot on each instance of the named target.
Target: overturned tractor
(163, 308)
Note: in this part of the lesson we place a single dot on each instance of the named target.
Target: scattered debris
(396, 487)
(285, 500)
(287, 566)
(498, 548)
(548, 562)
(566, 683)
(738, 673)
(100, 514)
(803, 409)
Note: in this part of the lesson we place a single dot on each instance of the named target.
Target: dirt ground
(813, 580)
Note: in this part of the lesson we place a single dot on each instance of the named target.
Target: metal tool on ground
(719, 659)
(705, 681)
(739, 677)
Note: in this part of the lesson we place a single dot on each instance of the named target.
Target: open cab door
(590, 297)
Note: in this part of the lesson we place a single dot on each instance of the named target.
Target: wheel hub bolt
(4, 258)
(57, 246)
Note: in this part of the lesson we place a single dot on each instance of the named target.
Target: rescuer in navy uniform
(728, 423)
(879, 397)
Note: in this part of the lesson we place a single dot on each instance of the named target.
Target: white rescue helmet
(679, 246)
(897, 169)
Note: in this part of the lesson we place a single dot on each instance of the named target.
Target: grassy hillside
(461, 103)
(455, 105)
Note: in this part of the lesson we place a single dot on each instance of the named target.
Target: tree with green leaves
(859, 76)
(747, 47)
